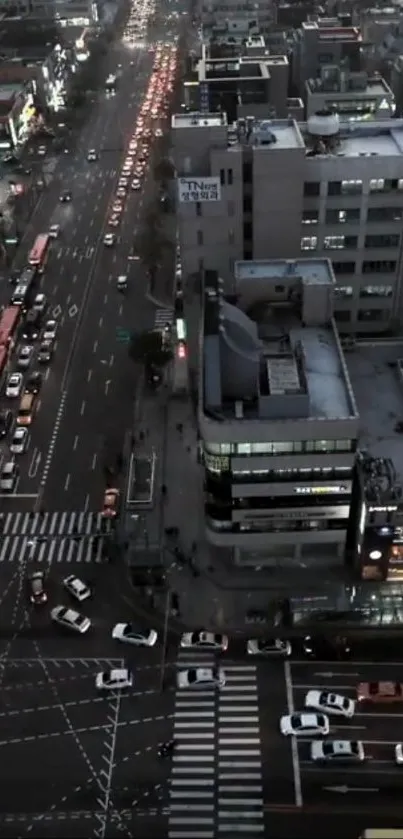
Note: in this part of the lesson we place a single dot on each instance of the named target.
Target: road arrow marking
(57, 311)
(344, 789)
(73, 310)
(330, 675)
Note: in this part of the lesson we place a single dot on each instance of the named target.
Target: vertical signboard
(204, 98)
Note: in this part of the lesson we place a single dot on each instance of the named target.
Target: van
(26, 409)
(32, 325)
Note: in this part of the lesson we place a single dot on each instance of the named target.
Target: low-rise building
(354, 96)
(277, 416)
(323, 42)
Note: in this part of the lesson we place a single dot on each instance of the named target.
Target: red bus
(38, 254)
(3, 361)
(8, 324)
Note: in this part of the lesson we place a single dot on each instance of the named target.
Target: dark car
(36, 588)
(32, 326)
(45, 352)
(34, 382)
(65, 196)
(6, 419)
(320, 648)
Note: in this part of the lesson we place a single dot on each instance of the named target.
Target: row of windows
(363, 315)
(353, 215)
(354, 186)
(369, 266)
(334, 243)
(273, 526)
(347, 291)
(293, 447)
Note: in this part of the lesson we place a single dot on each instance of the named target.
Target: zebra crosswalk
(163, 318)
(52, 537)
(216, 784)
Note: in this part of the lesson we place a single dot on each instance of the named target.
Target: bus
(9, 320)
(3, 362)
(38, 254)
(382, 833)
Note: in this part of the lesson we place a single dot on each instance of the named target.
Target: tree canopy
(148, 348)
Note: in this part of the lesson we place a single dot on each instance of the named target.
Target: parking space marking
(86, 730)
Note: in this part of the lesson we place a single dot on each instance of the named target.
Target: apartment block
(252, 17)
(272, 189)
(277, 416)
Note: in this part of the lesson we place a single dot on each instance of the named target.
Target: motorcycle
(167, 749)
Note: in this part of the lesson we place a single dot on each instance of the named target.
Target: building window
(342, 216)
(334, 188)
(334, 243)
(198, 208)
(247, 204)
(283, 447)
(376, 291)
(200, 237)
(371, 315)
(222, 177)
(342, 316)
(230, 180)
(246, 173)
(379, 266)
(377, 185)
(351, 187)
(247, 230)
(383, 240)
(231, 237)
(309, 243)
(310, 216)
(343, 291)
(394, 183)
(312, 188)
(231, 208)
(341, 268)
(387, 214)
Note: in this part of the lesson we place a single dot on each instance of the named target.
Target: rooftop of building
(229, 68)
(376, 373)
(329, 29)
(194, 119)
(271, 351)
(266, 133)
(355, 84)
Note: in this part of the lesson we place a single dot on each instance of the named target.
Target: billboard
(198, 190)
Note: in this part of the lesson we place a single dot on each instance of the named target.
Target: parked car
(37, 590)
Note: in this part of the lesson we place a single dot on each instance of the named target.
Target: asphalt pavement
(88, 393)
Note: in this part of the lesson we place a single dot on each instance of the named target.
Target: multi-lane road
(87, 398)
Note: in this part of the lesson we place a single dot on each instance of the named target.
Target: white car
(92, 155)
(70, 619)
(123, 181)
(136, 184)
(399, 754)
(330, 703)
(117, 679)
(25, 356)
(8, 476)
(205, 640)
(14, 385)
(20, 439)
(77, 588)
(39, 303)
(304, 724)
(109, 239)
(42, 151)
(201, 678)
(270, 647)
(128, 634)
(337, 751)
(121, 192)
(54, 231)
(50, 330)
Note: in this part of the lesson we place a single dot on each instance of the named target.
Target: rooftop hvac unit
(324, 124)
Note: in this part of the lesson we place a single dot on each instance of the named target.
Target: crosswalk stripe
(51, 524)
(163, 317)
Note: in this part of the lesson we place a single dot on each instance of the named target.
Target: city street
(91, 373)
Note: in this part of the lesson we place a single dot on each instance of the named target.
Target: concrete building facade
(275, 190)
(277, 417)
(354, 96)
(324, 42)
